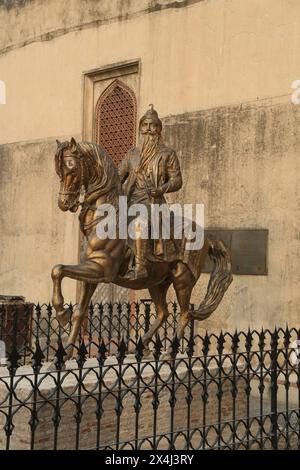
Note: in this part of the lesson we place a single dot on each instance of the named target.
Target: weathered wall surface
(206, 55)
(220, 72)
(35, 235)
(31, 21)
(242, 163)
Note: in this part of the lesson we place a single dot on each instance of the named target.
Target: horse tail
(220, 280)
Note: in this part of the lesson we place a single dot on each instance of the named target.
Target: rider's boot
(140, 271)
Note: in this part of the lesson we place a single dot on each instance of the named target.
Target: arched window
(115, 120)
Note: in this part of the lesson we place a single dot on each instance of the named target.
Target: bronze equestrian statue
(90, 179)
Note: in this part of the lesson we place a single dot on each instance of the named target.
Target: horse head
(86, 172)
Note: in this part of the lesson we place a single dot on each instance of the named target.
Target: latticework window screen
(115, 120)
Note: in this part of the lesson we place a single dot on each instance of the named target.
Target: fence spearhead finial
(13, 359)
(81, 354)
(60, 355)
(139, 349)
(157, 347)
(175, 346)
(121, 351)
(102, 353)
(37, 357)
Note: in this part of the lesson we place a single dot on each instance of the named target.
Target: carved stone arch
(116, 120)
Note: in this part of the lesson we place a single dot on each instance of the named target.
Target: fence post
(274, 388)
(12, 365)
(147, 316)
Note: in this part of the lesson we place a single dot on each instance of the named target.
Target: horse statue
(89, 179)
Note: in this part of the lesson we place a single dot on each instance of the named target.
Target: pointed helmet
(151, 114)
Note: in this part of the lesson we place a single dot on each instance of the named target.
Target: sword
(148, 190)
(152, 199)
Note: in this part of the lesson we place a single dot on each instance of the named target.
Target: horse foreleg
(91, 273)
(79, 314)
(158, 295)
(62, 314)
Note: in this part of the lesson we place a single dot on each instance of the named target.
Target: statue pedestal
(74, 408)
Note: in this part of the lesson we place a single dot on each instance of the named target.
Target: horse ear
(58, 143)
(73, 144)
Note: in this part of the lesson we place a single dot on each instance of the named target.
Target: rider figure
(148, 172)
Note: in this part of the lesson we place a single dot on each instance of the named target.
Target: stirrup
(141, 273)
(134, 274)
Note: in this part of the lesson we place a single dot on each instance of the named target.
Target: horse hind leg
(183, 282)
(159, 297)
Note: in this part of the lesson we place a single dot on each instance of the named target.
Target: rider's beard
(149, 149)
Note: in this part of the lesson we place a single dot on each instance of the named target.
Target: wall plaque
(248, 248)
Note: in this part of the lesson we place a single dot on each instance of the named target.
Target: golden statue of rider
(147, 173)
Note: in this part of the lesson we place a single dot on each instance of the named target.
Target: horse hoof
(166, 356)
(69, 348)
(64, 317)
(146, 352)
(52, 367)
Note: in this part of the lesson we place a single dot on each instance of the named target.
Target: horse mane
(100, 169)
(103, 173)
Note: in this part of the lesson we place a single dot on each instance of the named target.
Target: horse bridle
(85, 207)
(81, 189)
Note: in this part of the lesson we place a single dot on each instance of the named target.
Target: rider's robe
(162, 170)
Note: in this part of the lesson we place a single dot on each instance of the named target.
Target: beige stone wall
(214, 64)
(208, 54)
(35, 235)
(242, 163)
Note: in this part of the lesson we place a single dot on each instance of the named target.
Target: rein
(85, 207)
(94, 195)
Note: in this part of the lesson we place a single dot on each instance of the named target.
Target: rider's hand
(156, 192)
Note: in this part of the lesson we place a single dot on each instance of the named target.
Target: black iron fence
(225, 390)
(108, 322)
